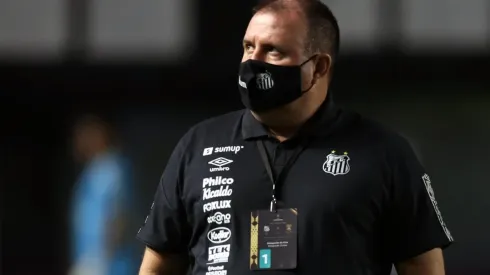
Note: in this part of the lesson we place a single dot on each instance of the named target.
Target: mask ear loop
(307, 90)
(308, 60)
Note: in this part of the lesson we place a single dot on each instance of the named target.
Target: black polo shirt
(364, 201)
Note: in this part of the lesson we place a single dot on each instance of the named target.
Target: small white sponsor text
(218, 254)
(219, 218)
(219, 235)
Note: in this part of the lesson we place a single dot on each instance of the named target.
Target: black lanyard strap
(268, 168)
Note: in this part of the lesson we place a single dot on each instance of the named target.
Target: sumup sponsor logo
(225, 149)
(219, 235)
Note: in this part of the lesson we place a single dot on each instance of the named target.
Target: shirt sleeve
(414, 224)
(166, 228)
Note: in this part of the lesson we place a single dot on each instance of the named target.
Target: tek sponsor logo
(216, 205)
(226, 149)
(219, 218)
(216, 270)
(219, 235)
(218, 254)
(220, 164)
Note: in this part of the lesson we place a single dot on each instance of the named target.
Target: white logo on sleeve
(219, 218)
(219, 235)
(430, 191)
(218, 254)
(220, 164)
(337, 164)
(216, 270)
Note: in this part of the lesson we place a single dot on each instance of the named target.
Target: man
(292, 184)
(101, 210)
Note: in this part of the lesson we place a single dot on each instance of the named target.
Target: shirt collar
(318, 125)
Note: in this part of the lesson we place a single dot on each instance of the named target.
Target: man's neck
(284, 133)
(284, 123)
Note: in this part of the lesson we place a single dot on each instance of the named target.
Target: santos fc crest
(337, 164)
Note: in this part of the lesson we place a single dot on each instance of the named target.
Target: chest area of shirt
(323, 178)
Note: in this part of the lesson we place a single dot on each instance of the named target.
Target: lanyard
(268, 168)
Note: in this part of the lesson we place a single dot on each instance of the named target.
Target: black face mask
(264, 86)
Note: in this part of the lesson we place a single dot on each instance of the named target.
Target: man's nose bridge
(257, 54)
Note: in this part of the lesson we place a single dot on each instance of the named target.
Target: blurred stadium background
(156, 67)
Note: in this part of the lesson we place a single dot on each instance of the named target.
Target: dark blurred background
(155, 68)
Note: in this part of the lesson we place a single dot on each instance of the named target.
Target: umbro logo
(220, 164)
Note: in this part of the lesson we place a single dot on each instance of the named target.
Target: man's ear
(323, 65)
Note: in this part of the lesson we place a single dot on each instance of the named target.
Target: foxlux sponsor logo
(219, 235)
(219, 218)
(216, 205)
(220, 163)
(210, 150)
(216, 270)
(218, 254)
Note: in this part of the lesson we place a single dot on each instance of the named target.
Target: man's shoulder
(222, 126)
(223, 121)
(372, 131)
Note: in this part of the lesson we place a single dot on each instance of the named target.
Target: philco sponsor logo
(219, 218)
(218, 254)
(225, 149)
(216, 181)
(219, 235)
(220, 163)
(216, 205)
(216, 270)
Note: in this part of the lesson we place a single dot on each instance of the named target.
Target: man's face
(278, 37)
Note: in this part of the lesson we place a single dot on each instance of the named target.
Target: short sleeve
(414, 222)
(166, 228)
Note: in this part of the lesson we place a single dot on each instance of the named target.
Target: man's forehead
(276, 25)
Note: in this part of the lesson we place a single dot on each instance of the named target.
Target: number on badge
(265, 258)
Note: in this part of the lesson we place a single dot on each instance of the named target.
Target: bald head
(322, 33)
